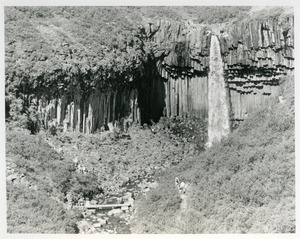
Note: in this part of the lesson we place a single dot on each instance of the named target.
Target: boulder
(93, 202)
(130, 201)
(83, 225)
(102, 221)
(97, 225)
(153, 185)
(124, 208)
(12, 177)
(111, 127)
(114, 212)
(127, 195)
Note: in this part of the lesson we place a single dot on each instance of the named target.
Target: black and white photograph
(148, 119)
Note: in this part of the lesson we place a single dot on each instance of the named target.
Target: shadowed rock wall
(255, 54)
(181, 52)
(175, 78)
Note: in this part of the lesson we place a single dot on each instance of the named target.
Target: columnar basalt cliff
(255, 55)
(173, 79)
(89, 114)
(181, 52)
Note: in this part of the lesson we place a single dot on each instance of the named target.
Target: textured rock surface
(255, 55)
(175, 78)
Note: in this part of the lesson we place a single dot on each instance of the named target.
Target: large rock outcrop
(255, 55)
(174, 79)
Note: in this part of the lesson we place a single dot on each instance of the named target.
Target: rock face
(174, 80)
(88, 114)
(181, 51)
(255, 55)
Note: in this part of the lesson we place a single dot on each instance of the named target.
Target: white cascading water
(218, 105)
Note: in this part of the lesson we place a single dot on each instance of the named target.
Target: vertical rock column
(58, 111)
(256, 54)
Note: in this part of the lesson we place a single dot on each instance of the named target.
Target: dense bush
(190, 129)
(47, 177)
(45, 167)
(33, 211)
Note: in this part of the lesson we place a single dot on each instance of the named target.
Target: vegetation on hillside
(65, 169)
(35, 204)
(50, 50)
(244, 184)
(33, 211)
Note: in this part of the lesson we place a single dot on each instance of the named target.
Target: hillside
(245, 184)
(96, 46)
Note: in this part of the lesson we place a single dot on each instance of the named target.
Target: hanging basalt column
(71, 116)
(186, 96)
(100, 108)
(78, 120)
(58, 111)
(256, 55)
(77, 111)
(88, 122)
(63, 108)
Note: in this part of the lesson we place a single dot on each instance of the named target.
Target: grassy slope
(245, 184)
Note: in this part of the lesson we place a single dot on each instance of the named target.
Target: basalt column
(181, 53)
(256, 54)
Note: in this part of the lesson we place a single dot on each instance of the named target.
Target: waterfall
(218, 104)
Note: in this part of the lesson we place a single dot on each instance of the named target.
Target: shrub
(33, 211)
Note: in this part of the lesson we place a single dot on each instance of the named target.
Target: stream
(116, 220)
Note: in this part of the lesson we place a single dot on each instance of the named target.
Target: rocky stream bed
(126, 165)
(116, 219)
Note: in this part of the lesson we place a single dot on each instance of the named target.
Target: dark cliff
(160, 68)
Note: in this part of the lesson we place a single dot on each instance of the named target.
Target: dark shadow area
(151, 97)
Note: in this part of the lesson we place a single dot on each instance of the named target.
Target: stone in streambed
(97, 225)
(124, 208)
(130, 201)
(114, 212)
(93, 202)
(101, 222)
(127, 195)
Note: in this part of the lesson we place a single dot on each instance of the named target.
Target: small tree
(17, 115)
